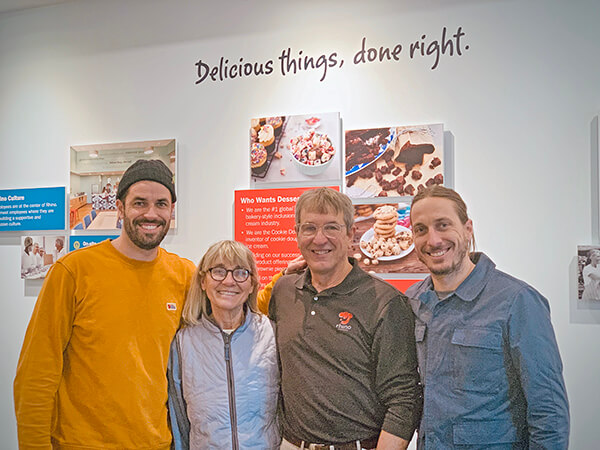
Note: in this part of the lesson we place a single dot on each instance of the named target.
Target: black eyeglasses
(220, 273)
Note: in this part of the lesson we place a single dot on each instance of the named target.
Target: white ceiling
(18, 5)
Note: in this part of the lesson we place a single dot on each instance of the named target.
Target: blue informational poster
(32, 209)
(77, 242)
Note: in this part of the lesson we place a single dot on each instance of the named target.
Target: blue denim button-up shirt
(489, 365)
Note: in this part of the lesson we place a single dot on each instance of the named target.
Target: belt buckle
(318, 447)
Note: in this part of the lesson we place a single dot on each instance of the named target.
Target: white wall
(519, 103)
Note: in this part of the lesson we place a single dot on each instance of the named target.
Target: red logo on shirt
(345, 317)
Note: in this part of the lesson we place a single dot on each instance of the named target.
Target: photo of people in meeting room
(38, 253)
(95, 174)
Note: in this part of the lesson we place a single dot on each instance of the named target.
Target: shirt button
(312, 313)
(316, 298)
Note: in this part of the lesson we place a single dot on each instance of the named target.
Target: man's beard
(139, 238)
(456, 264)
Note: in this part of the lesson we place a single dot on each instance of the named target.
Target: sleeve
(586, 274)
(27, 263)
(594, 274)
(40, 366)
(272, 307)
(264, 295)
(536, 358)
(397, 379)
(180, 424)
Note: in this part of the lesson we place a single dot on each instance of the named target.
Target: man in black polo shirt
(345, 339)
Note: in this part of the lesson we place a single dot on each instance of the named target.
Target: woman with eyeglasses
(223, 373)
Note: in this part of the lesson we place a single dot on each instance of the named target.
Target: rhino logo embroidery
(345, 317)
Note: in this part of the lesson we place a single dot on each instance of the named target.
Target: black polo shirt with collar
(348, 360)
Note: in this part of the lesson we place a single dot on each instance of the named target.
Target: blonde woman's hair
(231, 253)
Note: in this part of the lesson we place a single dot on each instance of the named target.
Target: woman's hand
(295, 265)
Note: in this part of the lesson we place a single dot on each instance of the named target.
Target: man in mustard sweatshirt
(92, 369)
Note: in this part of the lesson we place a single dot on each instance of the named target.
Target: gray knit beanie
(150, 170)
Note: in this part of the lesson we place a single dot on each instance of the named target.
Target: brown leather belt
(363, 443)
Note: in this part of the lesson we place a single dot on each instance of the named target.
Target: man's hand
(388, 441)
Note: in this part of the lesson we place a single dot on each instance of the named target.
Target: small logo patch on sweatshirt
(171, 306)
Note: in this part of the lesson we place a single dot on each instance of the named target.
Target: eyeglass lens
(220, 273)
(329, 229)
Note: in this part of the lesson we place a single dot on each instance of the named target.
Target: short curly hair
(325, 200)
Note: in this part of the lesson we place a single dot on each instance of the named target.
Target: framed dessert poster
(95, 174)
(296, 150)
(393, 161)
(383, 239)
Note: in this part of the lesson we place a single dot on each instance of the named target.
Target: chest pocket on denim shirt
(478, 359)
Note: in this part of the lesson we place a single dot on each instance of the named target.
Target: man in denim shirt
(488, 358)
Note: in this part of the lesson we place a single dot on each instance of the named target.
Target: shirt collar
(347, 286)
(210, 323)
(472, 286)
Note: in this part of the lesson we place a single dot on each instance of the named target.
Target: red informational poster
(402, 285)
(264, 221)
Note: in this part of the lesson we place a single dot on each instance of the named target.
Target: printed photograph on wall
(588, 280)
(383, 239)
(95, 173)
(299, 148)
(393, 161)
(38, 253)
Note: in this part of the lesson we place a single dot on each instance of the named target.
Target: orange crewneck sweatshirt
(92, 369)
